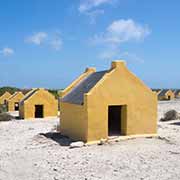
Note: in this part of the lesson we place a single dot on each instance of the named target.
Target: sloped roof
(75, 96)
(6, 94)
(163, 92)
(13, 96)
(29, 94)
(156, 90)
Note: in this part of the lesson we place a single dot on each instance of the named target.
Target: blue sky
(48, 43)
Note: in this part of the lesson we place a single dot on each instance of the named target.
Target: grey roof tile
(75, 96)
(163, 92)
(29, 94)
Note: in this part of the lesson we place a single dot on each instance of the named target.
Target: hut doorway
(39, 111)
(169, 97)
(114, 120)
(5, 102)
(16, 106)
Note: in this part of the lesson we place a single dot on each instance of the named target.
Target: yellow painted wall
(4, 97)
(75, 116)
(15, 99)
(121, 87)
(178, 95)
(40, 97)
(74, 121)
(117, 87)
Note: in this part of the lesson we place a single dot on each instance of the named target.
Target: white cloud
(52, 40)
(93, 8)
(37, 38)
(122, 31)
(7, 51)
(131, 57)
(115, 53)
(94, 14)
(87, 5)
(118, 33)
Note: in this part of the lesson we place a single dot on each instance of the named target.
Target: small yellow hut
(166, 94)
(38, 103)
(13, 101)
(5, 97)
(177, 93)
(114, 102)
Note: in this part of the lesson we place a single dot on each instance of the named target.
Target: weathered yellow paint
(169, 95)
(39, 97)
(89, 121)
(5, 97)
(15, 98)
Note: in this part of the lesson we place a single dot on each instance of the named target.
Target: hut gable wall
(121, 87)
(4, 97)
(16, 98)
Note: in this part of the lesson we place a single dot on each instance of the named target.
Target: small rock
(77, 144)
(54, 169)
(102, 141)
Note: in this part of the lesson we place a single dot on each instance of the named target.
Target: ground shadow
(58, 137)
(176, 123)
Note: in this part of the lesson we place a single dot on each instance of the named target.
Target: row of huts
(167, 94)
(37, 103)
(97, 105)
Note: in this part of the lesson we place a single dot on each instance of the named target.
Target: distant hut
(5, 97)
(177, 93)
(166, 94)
(38, 103)
(13, 101)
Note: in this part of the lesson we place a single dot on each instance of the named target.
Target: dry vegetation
(5, 117)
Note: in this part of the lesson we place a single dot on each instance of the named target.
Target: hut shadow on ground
(58, 138)
(176, 123)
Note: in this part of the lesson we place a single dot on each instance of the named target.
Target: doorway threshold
(127, 137)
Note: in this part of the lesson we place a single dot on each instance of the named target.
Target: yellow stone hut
(99, 105)
(13, 101)
(38, 103)
(177, 93)
(5, 97)
(166, 94)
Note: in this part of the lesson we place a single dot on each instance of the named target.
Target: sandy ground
(29, 150)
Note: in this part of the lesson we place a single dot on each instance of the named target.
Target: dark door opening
(114, 120)
(39, 111)
(169, 97)
(16, 106)
(5, 101)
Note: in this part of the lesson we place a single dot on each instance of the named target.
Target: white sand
(26, 155)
